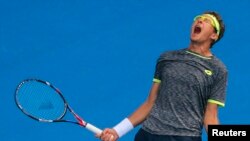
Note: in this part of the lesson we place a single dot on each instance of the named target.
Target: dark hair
(222, 25)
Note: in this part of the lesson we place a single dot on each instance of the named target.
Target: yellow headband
(215, 22)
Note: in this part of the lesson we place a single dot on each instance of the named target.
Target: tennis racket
(43, 102)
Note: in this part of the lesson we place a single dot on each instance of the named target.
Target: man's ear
(214, 36)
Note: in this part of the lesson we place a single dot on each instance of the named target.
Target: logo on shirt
(208, 72)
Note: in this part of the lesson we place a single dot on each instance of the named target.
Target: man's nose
(200, 21)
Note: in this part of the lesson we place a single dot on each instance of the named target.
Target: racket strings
(41, 101)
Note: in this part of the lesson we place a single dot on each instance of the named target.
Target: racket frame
(79, 120)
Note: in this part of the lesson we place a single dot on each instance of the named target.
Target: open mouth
(197, 29)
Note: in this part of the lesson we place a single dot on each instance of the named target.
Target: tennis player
(188, 87)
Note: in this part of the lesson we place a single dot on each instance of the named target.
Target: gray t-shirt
(187, 82)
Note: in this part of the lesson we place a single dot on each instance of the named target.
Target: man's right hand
(108, 134)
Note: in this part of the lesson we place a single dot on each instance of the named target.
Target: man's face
(203, 29)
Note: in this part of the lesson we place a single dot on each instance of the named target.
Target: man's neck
(202, 49)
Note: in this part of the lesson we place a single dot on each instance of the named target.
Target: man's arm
(136, 118)
(211, 115)
(142, 112)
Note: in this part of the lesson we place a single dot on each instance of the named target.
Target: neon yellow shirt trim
(198, 55)
(216, 102)
(156, 80)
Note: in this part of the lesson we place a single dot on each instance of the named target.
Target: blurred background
(101, 54)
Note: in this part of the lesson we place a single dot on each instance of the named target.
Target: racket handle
(93, 129)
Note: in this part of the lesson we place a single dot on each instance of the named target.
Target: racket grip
(93, 129)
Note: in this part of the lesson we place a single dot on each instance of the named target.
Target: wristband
(123, 127)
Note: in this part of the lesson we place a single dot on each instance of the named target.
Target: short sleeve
(218, 91)
(157, 74)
